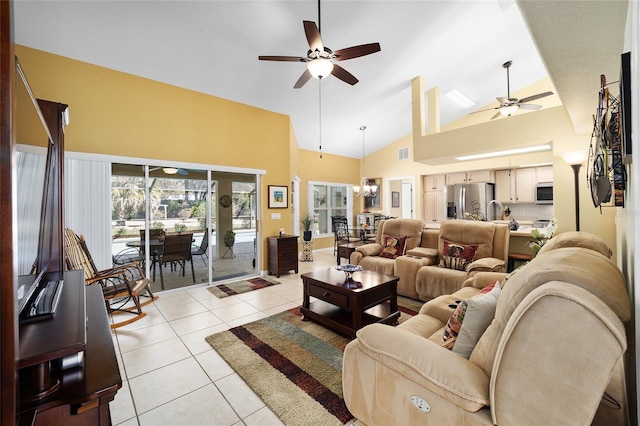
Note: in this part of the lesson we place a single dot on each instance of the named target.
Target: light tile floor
(170, 374)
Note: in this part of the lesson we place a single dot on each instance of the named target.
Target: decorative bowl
(348, 272)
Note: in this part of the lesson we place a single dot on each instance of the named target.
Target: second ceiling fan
(321, 60)
(509, 106)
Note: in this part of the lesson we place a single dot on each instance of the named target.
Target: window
(326, 200)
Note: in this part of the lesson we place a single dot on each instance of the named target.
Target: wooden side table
(307, 251)
(283, 254)
(345, 250)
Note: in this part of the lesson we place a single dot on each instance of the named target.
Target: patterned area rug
(237, 287)
(294, 366)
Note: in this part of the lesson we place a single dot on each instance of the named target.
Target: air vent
(403, 153)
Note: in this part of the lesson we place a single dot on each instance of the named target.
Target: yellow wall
(121, 114)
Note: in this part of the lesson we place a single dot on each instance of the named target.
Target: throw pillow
(457, 255)
(392, 247)
(479, 313)
(452, 328)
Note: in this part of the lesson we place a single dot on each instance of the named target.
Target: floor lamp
(575, 159)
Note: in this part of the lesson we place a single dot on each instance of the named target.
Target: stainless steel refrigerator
(469, 201)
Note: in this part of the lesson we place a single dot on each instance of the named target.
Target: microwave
(544, 193)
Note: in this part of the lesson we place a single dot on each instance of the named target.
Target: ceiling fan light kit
(170, 170)
(320, 67)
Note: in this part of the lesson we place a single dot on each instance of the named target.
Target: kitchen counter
(526, 226)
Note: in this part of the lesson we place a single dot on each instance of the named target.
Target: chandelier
(367, 187)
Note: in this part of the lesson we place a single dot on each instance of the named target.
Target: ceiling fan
(321, 60)
(170, 170)
(509, 106)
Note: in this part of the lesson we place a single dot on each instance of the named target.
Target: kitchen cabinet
(435, 182)
(476, 176)
(454, 178)
(545, 174)
(516, 186)
(434, 206)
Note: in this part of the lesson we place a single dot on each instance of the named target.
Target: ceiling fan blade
(282, 58)
(497, 114)
(356, 51)
(344, 75)
(533, 107)
(313, 36)
(534, 97)
(483, 110)
(183, 172)
(502, 100)
(306, 75)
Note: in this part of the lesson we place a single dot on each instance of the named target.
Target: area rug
(242, 286)
(294, 366)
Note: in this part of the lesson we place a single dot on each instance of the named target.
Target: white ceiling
(213, 46)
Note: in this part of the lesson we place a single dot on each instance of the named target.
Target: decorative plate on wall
(225, 201)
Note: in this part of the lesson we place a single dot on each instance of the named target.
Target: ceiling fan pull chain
(320, 111)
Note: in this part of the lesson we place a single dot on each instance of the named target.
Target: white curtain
(87, 204)
(29, 187)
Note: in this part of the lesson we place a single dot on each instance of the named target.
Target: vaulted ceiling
(213, 47)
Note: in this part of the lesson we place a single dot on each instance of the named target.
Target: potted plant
(229, 238)
(306, 223)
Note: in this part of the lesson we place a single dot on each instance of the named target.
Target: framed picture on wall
(395, 199)
(278, 197)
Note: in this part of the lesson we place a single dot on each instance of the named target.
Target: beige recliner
(492, 241)
(546, 357)
(369, 255)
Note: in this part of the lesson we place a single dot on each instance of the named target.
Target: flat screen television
(40, 279)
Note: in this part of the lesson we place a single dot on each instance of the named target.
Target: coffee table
(345, 309)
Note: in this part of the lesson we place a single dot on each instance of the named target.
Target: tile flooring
(170, 374)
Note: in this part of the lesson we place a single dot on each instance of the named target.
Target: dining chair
(176, 251)
(340, 229)
(121, 284)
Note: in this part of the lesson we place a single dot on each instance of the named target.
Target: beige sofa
(420, 277)
(546, 357)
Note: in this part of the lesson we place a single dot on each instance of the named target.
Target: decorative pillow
(479, 313)
(452, 328)
(392, 247)
(457, 256)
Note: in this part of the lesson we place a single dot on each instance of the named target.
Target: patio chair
(176, 251)
(203, 249)
(120, 285)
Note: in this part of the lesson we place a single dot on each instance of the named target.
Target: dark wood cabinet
(80, 394)
(283, 254)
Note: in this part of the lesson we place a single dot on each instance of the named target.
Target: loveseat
(418, 265)
(545, 357)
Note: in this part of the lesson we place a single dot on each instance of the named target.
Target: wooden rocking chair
(120, 285)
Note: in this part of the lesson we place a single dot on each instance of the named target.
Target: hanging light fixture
(367, 188)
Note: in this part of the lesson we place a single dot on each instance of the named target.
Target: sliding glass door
(156, 211)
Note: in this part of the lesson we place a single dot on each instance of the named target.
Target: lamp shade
(320, 67)
(170, 170)
(574, 157)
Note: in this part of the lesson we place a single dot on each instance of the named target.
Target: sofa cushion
(457, 255)
(479, 313)
(392, 246)
(452, 327)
